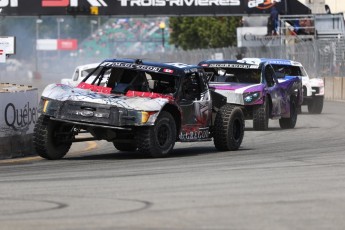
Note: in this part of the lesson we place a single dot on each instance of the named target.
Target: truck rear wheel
(260, 116)
(158, 140)
(228, 129)
(52, 140)
(315, 106)
(290, 122)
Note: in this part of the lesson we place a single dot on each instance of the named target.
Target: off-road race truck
(79, 74)
(253, 85)
(137, 105)
(313, 88)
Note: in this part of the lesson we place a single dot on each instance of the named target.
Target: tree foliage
(203, 32)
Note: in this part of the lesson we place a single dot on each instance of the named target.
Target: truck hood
(62, 92)
(236, 87)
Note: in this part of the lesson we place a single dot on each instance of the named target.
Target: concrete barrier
(343, 91)
(337, 88)
(329, 83)
(334, 88)
(18, 111)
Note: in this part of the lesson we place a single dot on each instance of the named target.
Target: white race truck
(79, 74)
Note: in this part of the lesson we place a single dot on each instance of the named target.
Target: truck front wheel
(316, 105)
(228, 129)
(290, 122)
(52, 140)
(260, 116)
(157, 140)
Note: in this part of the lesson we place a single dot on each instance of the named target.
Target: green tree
(203, 32)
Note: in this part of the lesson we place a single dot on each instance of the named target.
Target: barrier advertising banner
(148, 7)
(18, 112)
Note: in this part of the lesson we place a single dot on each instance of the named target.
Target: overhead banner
(148, 7)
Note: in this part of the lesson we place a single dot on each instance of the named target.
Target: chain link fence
(320, 58)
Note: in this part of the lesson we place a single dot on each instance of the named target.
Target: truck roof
(228, 64)
(271, 61)
(246, 63)
(176, 69)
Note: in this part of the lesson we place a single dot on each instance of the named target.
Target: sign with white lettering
(146, 7)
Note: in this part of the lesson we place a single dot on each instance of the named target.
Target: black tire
(260, 116)
(299, 109)
(290, 123)
(158, 140)
(315, 106)
(228, 128)
(47, 142)
(125, 146)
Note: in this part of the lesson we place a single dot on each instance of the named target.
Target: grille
(90, 113)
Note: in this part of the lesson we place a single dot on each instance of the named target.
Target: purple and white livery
(313, 88)
(254, 86)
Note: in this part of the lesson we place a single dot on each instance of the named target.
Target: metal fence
(320, 58)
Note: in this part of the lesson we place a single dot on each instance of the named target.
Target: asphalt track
(279, 179)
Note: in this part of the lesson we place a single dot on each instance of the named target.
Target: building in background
(318, 6)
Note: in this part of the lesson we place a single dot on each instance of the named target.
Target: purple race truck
(253, 85)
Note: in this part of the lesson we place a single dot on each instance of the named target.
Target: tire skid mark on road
(143, 205)
(56, 205)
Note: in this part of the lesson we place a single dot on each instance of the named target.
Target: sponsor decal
(224, 65)
(133, 66)
(168, 70)
(85, 113)
(20, 118)
(279, 62)
(144, 3)
(201, 133)
(72, 3)
(262, 4)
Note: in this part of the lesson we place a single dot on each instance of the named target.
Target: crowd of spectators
(127, 36)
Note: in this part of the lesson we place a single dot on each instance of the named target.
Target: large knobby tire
(290, 122)
(299, 109)
(158, 140)
(125, 146)
(47, 142)
(260, 116)
(315, 106)
(228, 128)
